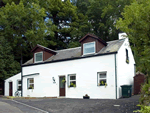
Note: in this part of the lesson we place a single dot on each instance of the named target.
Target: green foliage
(144, 109)
(74, 44)
(65, 21)
(135, 22)
(72, 85)
(102, 15)
(145, 94)
(64, 80)
(23, 24)
(8, 66)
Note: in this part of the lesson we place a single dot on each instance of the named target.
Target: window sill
(88, 54)
(30, 88)
(71, 87)
(102, 85)
(38, 61)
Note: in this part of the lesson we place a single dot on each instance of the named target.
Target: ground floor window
(72, 80)
(30, 83)
(102, 78)
(18, 85)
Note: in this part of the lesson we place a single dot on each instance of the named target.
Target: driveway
(66, 105)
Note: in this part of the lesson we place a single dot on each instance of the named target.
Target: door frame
(11, 93)
(59, 84)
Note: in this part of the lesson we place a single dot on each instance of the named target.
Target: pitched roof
(44, 48)
(93, 36)
(112, 46)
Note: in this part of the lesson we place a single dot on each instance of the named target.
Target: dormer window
(88, 48)
(38, 57)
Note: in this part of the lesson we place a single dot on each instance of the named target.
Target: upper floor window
(38, 57)
(89, 48)
(127, 56)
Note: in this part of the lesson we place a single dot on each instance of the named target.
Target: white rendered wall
(12, 79)
(86, 78)
(125, 72)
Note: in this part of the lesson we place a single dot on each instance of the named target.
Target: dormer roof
(93, 36)
(43, 48)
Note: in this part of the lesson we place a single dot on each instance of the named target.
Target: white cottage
(97, 68)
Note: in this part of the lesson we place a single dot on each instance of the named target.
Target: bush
(145, 94)
(144, 109)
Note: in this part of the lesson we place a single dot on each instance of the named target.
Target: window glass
(30, 83)
(72, 80)
(62, 85)
(19, 81)
(19, 85)
(89, 48)
(38, 57)
(102, 80)
(72, 77)
(102, 75)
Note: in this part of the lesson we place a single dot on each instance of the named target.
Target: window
(38, 57)
(102, 80)
(18, 85)
(30, 83)
(127, 57)
(89, 48)
(72, 80)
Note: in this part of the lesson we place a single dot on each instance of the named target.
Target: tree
(135, 22)
(66, 22)
(102, 15)
(8, 66)
(24, 25)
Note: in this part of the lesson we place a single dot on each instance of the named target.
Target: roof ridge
(116, 40)
(68, 49)
(46, 48)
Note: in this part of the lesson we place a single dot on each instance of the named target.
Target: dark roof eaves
(67, 59)
(93, 36)
(44, 48)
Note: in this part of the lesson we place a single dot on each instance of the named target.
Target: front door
(10, 88)
(61, 86)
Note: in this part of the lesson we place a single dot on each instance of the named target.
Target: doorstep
(61, 97)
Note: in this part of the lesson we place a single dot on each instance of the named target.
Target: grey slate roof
(112, 46)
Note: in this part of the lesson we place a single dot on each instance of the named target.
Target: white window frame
(98, 78)
(28, 82)
(18, 85)
(88, 43)
(72, 80)
(35, 57)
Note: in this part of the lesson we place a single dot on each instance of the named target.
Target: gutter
(115, 74)
(67, 59)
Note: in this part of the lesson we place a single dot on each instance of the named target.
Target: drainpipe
(115, 75)
(21, 82)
